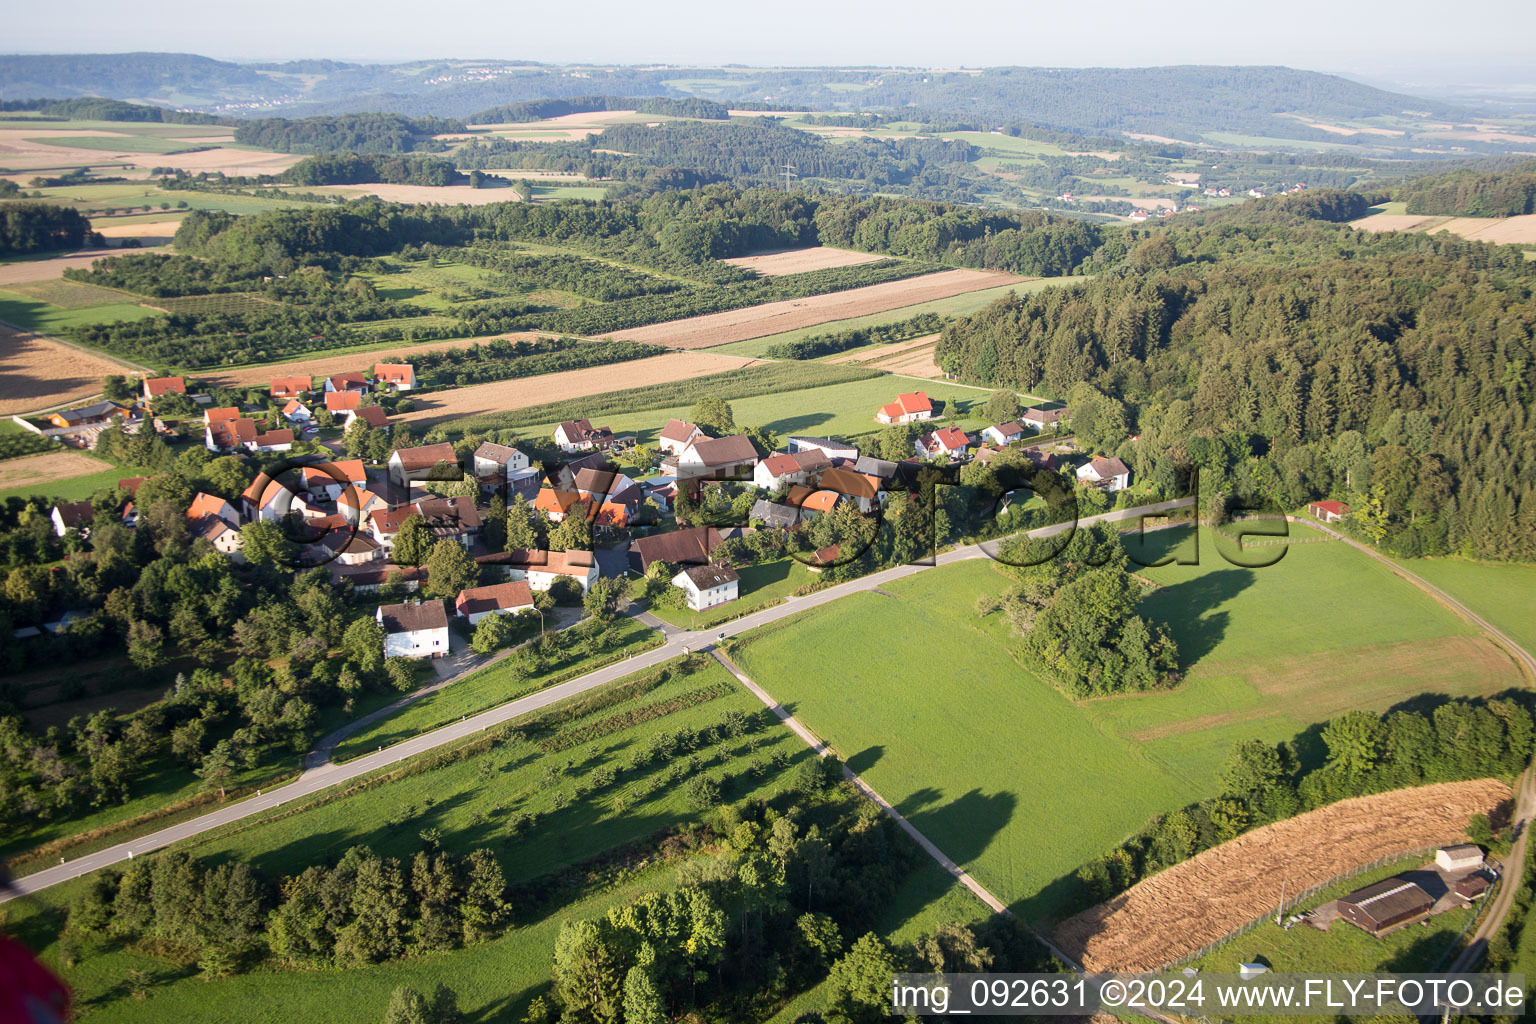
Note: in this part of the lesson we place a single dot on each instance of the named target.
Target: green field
(77, 488)
(761, 585)
(1021, 785)
(46, 318)
(1504, 593)
(955, 305)
(130, 144)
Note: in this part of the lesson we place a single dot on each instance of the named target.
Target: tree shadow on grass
(787, 425)
(1190, 610)
(865, 759)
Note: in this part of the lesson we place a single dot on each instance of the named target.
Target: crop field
(71, 294)
(1026, 794)
(715, 329)
(73, 487)
(842, 410)
(447, 195)
(915, 357)
(121, 146)
(154, 232)
(1500, 230)
(38, 373)
(500, 396)
(957, 305)
(38, 471)
(50, 268)
(796, 261)
(1196, 902)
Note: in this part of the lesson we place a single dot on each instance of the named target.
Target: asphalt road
(318, 777)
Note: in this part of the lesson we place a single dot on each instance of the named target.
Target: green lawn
(1021, 785)
(955, 305)
(761, 585)
(486, 689)
(1504, 593)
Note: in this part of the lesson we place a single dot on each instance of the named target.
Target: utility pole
(789, 172)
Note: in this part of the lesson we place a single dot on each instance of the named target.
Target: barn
(1378, 908)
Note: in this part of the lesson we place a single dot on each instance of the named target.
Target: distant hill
(1187, 102)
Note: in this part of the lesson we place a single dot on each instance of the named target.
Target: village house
(494, 464)
(601, 486)
(828, 447)
(337, 402)
(329, 480)
(542, 568)
(351, 548)
(455, 519)
(805, 500)
(680, 547)
(272, 441)
(358, 504)
(1107, 474)
(424, 462)
(1328, 511)
(778, 470)
(205, 505)
(581, 436)
(416, 629)
(154, 387)
(226, 539)
(724, 458)
(708, 585)
(1041, 420)
(398, 376)
(678, 435)
(771, 514)
(265, 499)
(908, 408)
(501, 599)
(863, 489)
(99, 414)
(555, 502)
(1004, 434)
(297, 413)
(347, 382)
(290, 387)
(373, 415)
(951, 442)
(881, 469)
(71, 515)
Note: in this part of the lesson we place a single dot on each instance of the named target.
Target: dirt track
(791, 314)
(1205, 898)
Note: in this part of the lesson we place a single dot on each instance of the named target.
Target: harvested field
(159, 230)
(230, 161)
(501, 396)
(1394, 222)
(797, 261)
(790, 314)
(324, 366)
(39, 373)
(447, 195)
(913, 357)
(34, 470)
(71, 294)
(1510, 231)
(1207, 897)
(916, 364)
(50, 269)
(879, 352)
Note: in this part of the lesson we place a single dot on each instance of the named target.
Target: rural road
(323, 776)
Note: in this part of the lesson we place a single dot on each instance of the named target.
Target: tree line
(695, 107)
(387, 168)
(97, 108)
(40, 227)
(348, 133)
(1470, 193)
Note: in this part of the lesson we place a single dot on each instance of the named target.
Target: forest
(1474, 193)
(387, 168)
(539, 110)
(95, 108)
(39, 227)
(347, 133)
(1291, 363)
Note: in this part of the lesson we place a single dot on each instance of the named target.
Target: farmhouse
(1378, 908)
(1004, 433)
(501, 599)
(950, 441)
(343, 401)
(863, 489)
(347, 382)
(581, 436)
(495, 464)
(90, 415)
(373, 415)
(407, 465)
(607, 485)
(400, 376)
(708, 585)
(678, 435)
(154, 387)
(447, 519)
(725, 458)
(1328, 511)
(543, 568)
(72, 515)
(555, 503)
(417, 629)
(1041, 420)
(908, 408)
(828, 447)
(880, 469)
(290, 387)
(1107, 474)
(680, 547)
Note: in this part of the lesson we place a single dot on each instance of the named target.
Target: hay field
(250, 162)
(913, 357)
(774, 317)
(448, 195)
(500, 396)
(51, 269)
(1394, 222)
(33, 470)
(156, 232)
(797, 261)
(324, 366)
(1213, 893)
(1500, 230)
(39, 373)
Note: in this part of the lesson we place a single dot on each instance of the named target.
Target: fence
(1297, 900)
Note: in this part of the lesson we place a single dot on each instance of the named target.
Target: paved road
(323, 776)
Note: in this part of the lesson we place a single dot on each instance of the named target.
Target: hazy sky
(1406, 39)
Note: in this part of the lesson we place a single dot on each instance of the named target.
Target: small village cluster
(347, 516)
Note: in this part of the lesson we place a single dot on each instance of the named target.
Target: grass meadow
(1020, 784)
(761, 585)
(1504, 593)
(76, 488)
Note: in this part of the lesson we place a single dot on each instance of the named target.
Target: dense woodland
(1469, 193)
(1295, 363)
(538, 110)
(386, 168)
(95, 108)
(348, 133)
(40, 227)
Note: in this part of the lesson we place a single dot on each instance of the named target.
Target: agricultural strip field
(73, 487)
(957, 305)
(50, 268)
(1501, 230)
(38, 373)
(1025, 794)
(38, 471)
(774, 317)
(915, 357)
(1200, 900)
(482, 399)
(46, 318)
(447, 195)
(796, 261)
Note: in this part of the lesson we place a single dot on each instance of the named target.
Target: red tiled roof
(914, 401)
(220, 415)
(285, 386)
(393, 373)
(426, 456)
(780, 464)
(494, 598)
(1337, 508)
(205, 505)
(347, 381)
(343, 401)
(373, 415)
(161, 385)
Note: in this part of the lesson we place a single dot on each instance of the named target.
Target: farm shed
(1384, 905)
(1461, 857)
